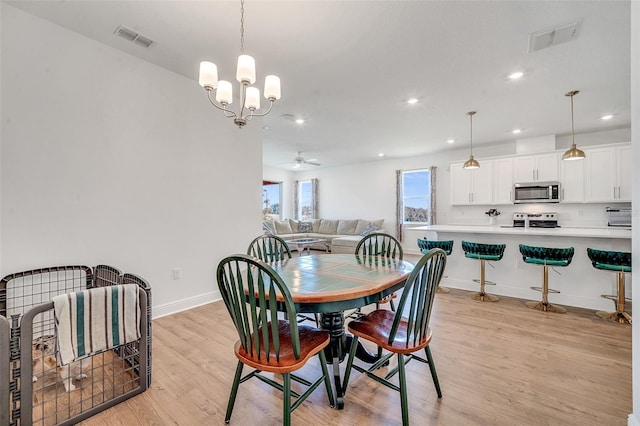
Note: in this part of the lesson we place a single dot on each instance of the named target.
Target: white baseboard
(633, 420)
(185, 304)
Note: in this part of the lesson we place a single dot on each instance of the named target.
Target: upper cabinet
(572, 181)
(537, 168)
(608, 174)
(472, 186)
(503, 181)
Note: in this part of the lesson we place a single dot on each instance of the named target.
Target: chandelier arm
(253, 114)
(221, 108)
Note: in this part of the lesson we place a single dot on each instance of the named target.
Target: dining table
(330, 284)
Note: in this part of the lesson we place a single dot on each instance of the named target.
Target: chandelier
(573, 153)
(471, 163)
(246, 76)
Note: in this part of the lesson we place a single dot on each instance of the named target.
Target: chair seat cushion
(617, 268)
(483, 256)
(312, 341)
(376, 326)
(547, 262)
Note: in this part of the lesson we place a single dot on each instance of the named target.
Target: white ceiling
(348, 67)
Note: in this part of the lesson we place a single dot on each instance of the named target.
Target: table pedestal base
(338, 349)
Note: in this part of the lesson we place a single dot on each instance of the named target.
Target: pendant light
(573, 153)
(471, 163)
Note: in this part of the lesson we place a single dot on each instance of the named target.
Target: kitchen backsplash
(569, 215)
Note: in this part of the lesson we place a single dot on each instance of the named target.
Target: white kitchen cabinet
(623, 166)
(608, 174)
(503, 181)
(572, 181)
(472, 186)
(537, 168)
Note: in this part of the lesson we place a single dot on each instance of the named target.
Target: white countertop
(605, 232)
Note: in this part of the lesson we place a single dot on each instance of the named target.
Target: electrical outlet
(177, 273)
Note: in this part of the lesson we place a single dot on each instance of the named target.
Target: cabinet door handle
(533, 174)
(562, 194)
(614, 192)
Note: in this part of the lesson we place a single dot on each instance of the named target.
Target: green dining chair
(269, 248)
(379, 245)
(404, 332)
(252, 293)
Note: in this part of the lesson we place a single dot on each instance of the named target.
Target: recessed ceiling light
(450, 140)
(299, 121)
(381, 154)
(606, 117)
(412, 101)
(516, 131)
(265, 127)
(516, 75)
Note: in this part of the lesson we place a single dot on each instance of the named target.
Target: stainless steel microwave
(536, 192)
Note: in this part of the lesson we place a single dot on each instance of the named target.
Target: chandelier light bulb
(252, 100)
(224, 94)
(272, 87)
(208, 75)
(246, 69)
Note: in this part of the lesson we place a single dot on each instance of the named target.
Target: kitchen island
(580, 284)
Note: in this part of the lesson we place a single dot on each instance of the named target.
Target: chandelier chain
(242, 27)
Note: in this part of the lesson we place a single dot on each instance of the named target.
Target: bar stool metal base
(484, 297)
(544, 304)
(621, 317)
(545, 307)
(481, 295)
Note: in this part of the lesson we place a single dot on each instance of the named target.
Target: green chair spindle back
(417, 298)
(269, 248)
(256, 318)
(380, 244)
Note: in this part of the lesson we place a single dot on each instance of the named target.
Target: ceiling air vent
(133, 36)
(543, 39)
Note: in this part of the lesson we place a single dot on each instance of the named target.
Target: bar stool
(546, 257)
(447, 245)
(620, 263)
(483, 252)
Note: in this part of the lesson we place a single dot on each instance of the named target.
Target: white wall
(109, 159)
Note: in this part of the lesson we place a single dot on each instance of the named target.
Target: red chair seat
(376, 326)
(312, 341)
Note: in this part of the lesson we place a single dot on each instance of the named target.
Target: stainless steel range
(535, 220)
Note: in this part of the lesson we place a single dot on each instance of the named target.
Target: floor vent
(133, 36)
(543, 39)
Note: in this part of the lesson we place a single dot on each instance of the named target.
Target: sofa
(342, 235)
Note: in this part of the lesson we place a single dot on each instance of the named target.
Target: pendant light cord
(242, 27)
(573, 133)
(471, 132)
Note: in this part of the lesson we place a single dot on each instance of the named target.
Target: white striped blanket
(92, 321)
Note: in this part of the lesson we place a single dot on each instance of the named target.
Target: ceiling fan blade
(313, 163)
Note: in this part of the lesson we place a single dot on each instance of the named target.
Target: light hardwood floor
(498, 364)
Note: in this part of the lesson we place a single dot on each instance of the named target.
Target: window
(271, 200)
(416, 196)
(306, 199)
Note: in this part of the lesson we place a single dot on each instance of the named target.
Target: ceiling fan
(299, 161)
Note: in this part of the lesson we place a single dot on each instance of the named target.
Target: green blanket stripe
(80, 324)
(115, 315)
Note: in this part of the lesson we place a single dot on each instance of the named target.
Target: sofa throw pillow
(294, 225)
(283, 227)
(369, 229)
(329, 227)
(267, 228)
(347, 227)
(305, 227)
